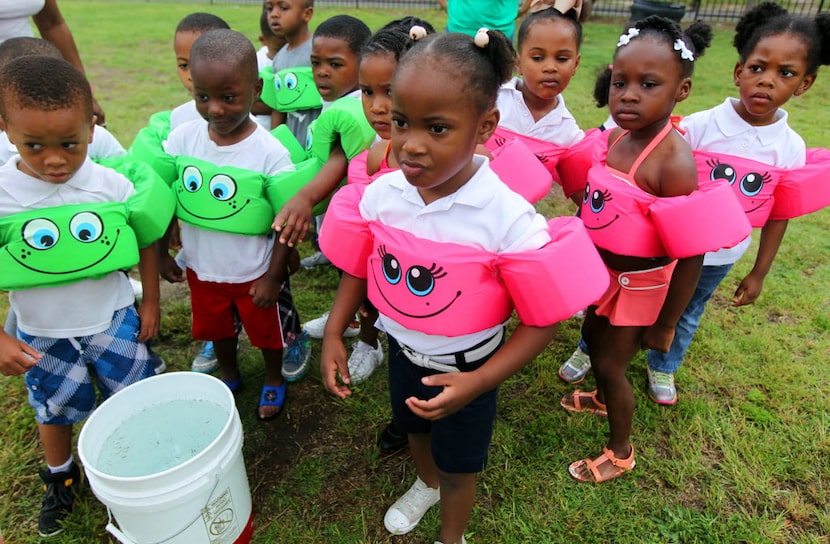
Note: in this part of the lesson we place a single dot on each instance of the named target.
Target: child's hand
(266, 292)
(658, 337)
(748, 290)
(168, 268)
(149, 313)
(293, 220)
(175, 241)
(333, 360)
(16, 356)
(459, 390)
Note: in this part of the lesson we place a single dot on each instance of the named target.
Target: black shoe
(60, 489)
(392, 441)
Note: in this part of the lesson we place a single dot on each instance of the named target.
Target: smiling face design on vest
(747, 186)
(53, 246)
(597, 213)
(295, 89)
(414, 290)
(209, 198)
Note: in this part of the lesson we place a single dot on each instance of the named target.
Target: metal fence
(708, 10)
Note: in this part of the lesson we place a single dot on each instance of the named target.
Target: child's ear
(684, 90)
(805, 84)
(487, 124)
(308, 13)
(258, 88)
(736, 73)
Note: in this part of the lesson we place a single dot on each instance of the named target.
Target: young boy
(335, 51)
(230, 273)
(76, 320)
(289, 19)
(271, 43)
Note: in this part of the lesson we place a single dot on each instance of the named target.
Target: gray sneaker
(206, 361)
(573, 370)
(661, 387)
(317, 259)
(295, 358)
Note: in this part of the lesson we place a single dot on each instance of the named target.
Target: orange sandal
(621, 466)
(578, 396)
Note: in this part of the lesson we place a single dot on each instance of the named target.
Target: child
(85, 328)
(231, 274)
(334, 60)
(445, 206)
(289, 19)
(647, 162)
(271, 43)
(779, 58)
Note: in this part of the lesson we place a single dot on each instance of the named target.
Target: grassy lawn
(743, 457)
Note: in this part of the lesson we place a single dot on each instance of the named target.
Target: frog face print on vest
(65, 244)
(290, 89)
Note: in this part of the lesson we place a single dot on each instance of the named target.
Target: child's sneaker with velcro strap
(60, 489)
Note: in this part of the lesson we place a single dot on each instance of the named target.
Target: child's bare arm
(266, 290)
(166, 264)
(277, 119)
(683, 283)
(349, 297)
(16, 356)
(294, 218)
(149, 310)
(750, 287)
(460, 388)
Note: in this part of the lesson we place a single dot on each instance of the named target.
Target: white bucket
(168, 469)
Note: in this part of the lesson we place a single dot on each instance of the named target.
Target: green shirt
(468, 16)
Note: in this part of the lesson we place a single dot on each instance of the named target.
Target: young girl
(445, 250)
(779, 56)
(631, 225)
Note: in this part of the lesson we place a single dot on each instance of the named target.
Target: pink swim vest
(804, 190)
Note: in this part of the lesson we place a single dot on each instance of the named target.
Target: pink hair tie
(482, 38)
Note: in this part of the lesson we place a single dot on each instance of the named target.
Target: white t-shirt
(722, 130)
(262, 61)
(557, 126)
(483, 213)
(84, 307)
(183, 114)
(103, 146)
(222, 256)
(14, 17)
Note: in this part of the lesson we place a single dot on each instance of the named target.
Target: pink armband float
(706, 220)
(547, 153)
(572, 168)
(517, 166)
(804, 190)
(753, 183)
(358, 170)
(344, 236)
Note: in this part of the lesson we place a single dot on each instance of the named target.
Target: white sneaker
(316, 327)
(407, 511)
(315, 259)
(364, 360)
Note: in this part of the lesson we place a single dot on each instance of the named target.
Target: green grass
(743, 457)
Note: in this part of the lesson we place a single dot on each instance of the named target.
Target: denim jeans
(710, 278)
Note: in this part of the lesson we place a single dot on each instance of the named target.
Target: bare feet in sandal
(583, 401)
(605, 467)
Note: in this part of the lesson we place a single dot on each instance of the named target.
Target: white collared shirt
(558, 126)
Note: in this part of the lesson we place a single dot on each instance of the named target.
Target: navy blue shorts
(61, 384)
(461, 441)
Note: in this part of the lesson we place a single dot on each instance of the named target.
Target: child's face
(775, 71)
(181, 45)
(436, 128)
(334, 67)
(646, 83)
(375, 78)
(548, 59)
(224, 99)
(52, 144)
(287, 17)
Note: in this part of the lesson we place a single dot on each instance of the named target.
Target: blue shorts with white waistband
(461, 441)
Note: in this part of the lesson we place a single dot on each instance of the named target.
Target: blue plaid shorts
(60, 385)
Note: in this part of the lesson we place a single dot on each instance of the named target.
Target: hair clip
(417, 32)
(625, 38)
(685, 52)
(482, 38)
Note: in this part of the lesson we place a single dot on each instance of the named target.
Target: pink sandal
(621, 466)
(578, 396)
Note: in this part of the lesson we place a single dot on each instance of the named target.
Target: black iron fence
(708, 10)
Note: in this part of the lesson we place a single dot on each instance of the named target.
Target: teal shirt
(468, 16)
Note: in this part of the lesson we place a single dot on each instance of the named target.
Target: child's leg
(57, 443)
(273, 378)
(458, 492)
(368, 332)
(420, 447)
(225, 350)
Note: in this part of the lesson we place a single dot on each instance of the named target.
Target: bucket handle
(124, 539)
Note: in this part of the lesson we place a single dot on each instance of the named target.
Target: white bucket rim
(90, 467)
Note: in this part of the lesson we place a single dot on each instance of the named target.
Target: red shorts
(634, 299)
(214, 305)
